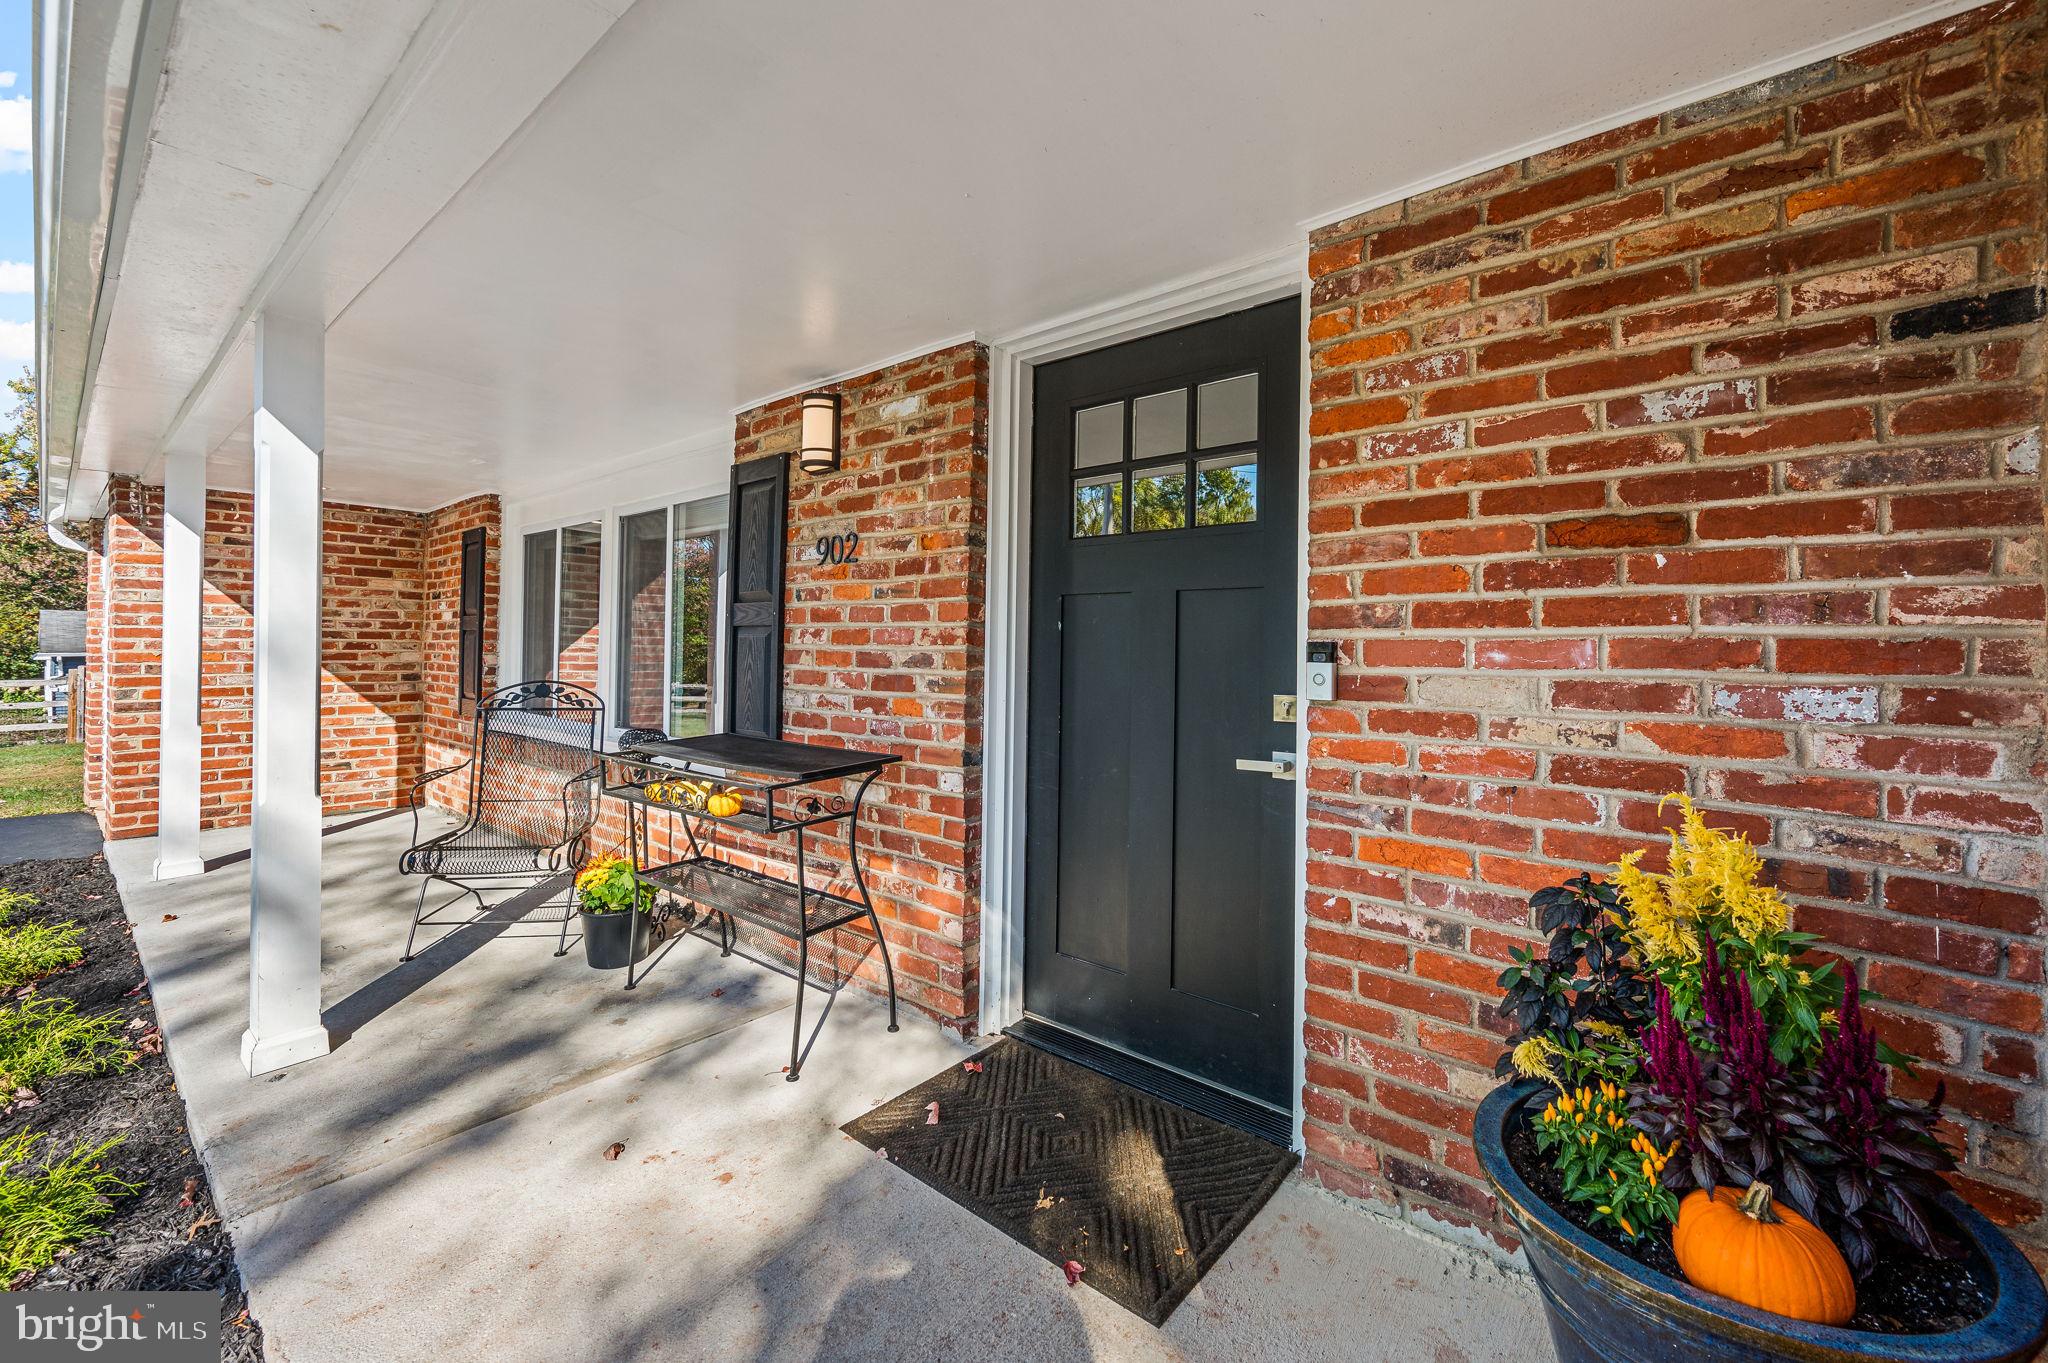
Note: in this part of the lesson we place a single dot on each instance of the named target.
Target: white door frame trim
(1281, 273)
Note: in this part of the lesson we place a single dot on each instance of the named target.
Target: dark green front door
(1163, 606)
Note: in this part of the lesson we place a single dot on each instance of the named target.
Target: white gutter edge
(52, 87)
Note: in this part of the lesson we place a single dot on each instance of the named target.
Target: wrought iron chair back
(535, 771)
(534, 777)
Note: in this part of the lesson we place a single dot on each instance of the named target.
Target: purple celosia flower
(1851, 1077)
(1672, 1064)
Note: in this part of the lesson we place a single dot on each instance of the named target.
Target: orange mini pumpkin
(1742, 1246)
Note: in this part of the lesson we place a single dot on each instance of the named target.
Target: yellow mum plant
(608, 885)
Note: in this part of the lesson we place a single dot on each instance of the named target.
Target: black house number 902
(839, 548)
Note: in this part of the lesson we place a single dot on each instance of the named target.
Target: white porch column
(178, 773)
(284, 894)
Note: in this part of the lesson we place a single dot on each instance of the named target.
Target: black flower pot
(1604, 1307)
(613, 941)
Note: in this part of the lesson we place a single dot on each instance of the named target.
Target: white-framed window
(562, 577)
(670, 586)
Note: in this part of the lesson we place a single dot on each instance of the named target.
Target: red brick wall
(380, 703)
(446, 731)
(1700, 455)
(89, 697)
(886, 654)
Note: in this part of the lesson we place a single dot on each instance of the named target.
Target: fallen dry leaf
(201, 1224)
(1073, 1268)
(931, 1114)
(1043, 1200)
(150, 1043)
(881, 1152)
(169, 917)
(191, 1193)
(615, 1149)
(971, 1066)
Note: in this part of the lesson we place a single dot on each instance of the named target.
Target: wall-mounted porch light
(819, 452)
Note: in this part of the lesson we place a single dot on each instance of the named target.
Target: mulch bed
(1905, 1294)
(167, 1235)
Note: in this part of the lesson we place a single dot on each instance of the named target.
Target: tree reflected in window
(1227, 490)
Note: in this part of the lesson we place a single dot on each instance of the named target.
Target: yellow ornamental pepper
(1648, 1172)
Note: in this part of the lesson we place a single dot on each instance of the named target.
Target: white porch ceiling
(590, 234)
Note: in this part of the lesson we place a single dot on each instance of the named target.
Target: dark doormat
(1144, 1195)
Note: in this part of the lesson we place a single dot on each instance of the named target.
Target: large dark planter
(613, 941)
(1606, 1308)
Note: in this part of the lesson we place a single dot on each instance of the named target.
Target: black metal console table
(782, 788)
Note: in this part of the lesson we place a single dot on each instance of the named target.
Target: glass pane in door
(537, 632)
(642, 661)
(576, 609)
(697, 566)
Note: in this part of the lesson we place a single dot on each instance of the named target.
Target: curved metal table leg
(861, 883)
(803, 962)
(636, 849)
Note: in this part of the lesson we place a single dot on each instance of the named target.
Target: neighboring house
(1631, 403)
(60, 648)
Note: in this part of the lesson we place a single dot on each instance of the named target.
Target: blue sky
(17, 193)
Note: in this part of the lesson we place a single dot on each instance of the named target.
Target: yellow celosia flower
(1531, 1059)
(1713, 878)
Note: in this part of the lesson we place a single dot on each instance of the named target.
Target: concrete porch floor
(436, 1188)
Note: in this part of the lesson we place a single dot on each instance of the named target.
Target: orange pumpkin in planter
(1742, 1246)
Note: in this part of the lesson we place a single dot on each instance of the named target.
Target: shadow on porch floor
(436, 1187)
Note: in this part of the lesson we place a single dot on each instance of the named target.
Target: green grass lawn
(41, 778)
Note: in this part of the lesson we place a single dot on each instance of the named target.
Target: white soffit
(724, 199)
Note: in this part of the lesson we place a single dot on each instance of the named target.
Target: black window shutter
(470, 648)
(753, 604)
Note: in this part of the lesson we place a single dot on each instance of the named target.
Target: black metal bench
(534, 775)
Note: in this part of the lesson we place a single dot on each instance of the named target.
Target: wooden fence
(47, 701)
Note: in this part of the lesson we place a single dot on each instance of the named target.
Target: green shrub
(34, 950)
(43, 1212)
(29, 951)
(43, 1037)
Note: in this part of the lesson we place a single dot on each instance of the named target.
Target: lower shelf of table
(756, 898)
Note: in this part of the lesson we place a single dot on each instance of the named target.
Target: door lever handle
(1281, 768)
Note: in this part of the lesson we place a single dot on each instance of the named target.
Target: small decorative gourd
(1742, 1246)
(724, 804)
